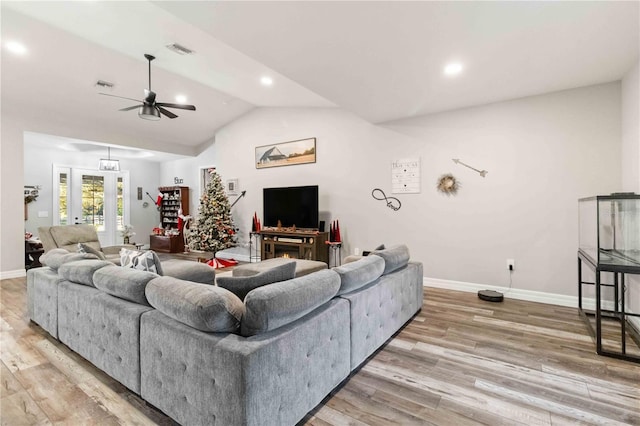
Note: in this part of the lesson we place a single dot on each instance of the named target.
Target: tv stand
(298, 244)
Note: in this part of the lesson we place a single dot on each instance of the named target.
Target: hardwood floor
(461, 361)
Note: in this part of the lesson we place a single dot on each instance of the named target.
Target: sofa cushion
(56, 257)
(81, 271)
(272, 306)
(188, 270)
(141, 260)
(303, 266)
(68, 237)
(201, 306)
(125, 283)
(240, 286)
(394, 257)
(360, 273)
(86, 248)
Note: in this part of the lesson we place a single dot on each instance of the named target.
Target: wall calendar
(405, 176)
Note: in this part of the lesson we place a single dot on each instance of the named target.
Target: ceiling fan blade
(166, 112)
(179, 106)
(130, 108)
(121, 97)
(149, 96)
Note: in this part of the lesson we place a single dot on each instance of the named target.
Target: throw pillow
(143, 261)
(85, 248)
(241, 286)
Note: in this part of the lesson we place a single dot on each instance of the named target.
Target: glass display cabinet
(609, 245)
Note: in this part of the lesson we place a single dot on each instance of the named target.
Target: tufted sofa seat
(204, 356)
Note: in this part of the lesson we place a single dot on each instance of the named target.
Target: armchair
(67, 237)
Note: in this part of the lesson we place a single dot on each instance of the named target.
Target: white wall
(38, 168)
(631, 159)
(11, 190)
(631, 130)
(542, 154)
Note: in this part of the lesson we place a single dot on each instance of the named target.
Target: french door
(93, 197)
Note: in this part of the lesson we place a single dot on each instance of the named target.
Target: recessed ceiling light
(266, 81)
(453, 68)
(15, 47)
(181, 99)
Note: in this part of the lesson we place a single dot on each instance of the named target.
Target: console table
(32, 252)
(298, 244)
(618, 310)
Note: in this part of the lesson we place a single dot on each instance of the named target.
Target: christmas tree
(213, 229)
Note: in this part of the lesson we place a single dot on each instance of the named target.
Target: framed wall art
(302, 151)
(231, 185)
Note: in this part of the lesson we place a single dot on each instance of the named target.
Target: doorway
(92, 197)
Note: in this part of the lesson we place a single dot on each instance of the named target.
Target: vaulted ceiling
(381, 60)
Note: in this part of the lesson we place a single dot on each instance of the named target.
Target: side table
(254, 247)
(335, 258)
(32, 253)
(616, 312)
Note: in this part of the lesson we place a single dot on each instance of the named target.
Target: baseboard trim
(513, 293)
(18, 273)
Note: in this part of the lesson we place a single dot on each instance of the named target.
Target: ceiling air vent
(104, 84)
(179, 49)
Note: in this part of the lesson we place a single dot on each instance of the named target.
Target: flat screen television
(295, 205)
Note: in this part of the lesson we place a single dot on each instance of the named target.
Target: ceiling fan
(149, 109)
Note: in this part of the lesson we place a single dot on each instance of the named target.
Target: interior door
(99, 199)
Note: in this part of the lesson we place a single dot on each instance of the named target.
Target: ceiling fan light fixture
(109, 165)
(149, 112)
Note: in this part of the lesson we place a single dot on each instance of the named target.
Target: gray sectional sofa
(204, 356)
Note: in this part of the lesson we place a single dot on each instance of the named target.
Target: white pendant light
(109, 165)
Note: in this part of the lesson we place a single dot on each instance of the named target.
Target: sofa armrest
(116, 249)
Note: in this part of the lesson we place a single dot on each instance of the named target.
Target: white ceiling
(381, 60)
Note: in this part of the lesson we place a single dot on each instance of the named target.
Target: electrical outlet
(511, 264)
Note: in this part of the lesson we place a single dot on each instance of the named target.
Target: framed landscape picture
(302, 151)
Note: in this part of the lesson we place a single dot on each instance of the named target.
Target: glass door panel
(61, 195)
(93, 201)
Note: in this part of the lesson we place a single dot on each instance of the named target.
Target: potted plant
(127, 232)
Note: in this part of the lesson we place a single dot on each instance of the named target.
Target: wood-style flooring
(460, 361)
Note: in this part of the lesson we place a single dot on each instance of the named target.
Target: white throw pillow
(143, 261)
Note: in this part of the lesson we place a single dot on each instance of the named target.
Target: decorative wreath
(448, 185)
